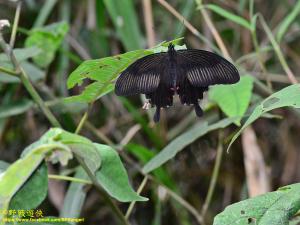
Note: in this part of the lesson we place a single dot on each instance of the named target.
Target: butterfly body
(187, 73)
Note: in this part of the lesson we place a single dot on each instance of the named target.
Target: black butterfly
(185, 72)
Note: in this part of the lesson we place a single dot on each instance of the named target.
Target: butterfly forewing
(203, 68)
(143, 76)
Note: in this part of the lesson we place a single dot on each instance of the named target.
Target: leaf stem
(8, 71)
(141, 187)
(276, 47)
(15, 25)
(215, 175)
(67, 178)
(213, 30)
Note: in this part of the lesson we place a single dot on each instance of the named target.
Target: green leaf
(48, 39)
(233, 99)
(125, 20)
(104, 71)
(15, 108)
(33, 192)
(284, 25)
(113, 177)
(182, 141)
(20, 171)
(91, 93)
(289, 96)
(228, 15)
(273, 208)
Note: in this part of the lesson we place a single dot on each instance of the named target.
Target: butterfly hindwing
(203, 68)
(141, 77)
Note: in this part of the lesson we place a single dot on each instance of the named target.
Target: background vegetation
(50, 80)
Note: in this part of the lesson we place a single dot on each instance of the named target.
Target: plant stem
(8, 71)
(106, 197)
(213, 30)
(258, 54)
(67, 178)
(82, 121)
(215, 175)
(15, 25)
(276, 47)
(141, 187)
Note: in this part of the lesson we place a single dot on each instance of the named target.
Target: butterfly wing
(198, 69)
(141, 77)
(203, 68)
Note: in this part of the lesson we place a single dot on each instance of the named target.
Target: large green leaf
(33, 192)
(233, 99)
(113, 177)
(182, 141)
(103, 71)
(289, 96)
(48, 39)
(21, 177)
(125, 20)
(20, 171)
(273, 208)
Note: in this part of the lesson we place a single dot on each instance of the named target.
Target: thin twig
(214, 177)
(78, 48)
(98, 134)
(67, 178)
(15, 25)
(130, 133)
(147, 8)
(213, 30)
(276, 47)
(141, 187)
(8, 71)
(187, 24)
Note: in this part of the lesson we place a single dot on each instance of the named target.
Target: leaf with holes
(273, 208)
(103, 71)
(287, 97)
